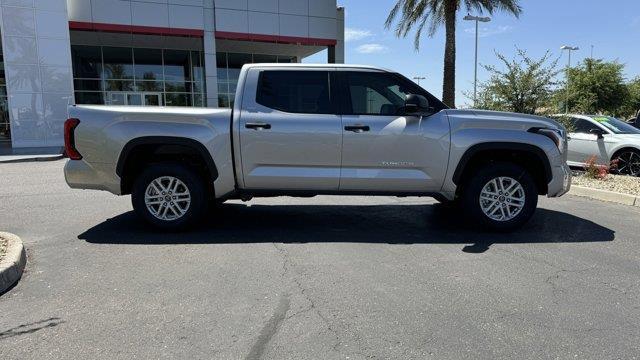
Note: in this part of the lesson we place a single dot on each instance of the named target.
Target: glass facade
(229, 65)
(5, 126)
(138, 76)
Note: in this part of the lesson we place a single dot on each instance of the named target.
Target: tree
(525, 85)
(435, 13)
(632, 103)
(596, 86)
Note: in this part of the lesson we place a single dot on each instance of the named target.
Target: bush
(598, 171)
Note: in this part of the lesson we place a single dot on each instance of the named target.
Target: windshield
(616, 126)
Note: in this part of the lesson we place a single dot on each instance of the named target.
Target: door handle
(257, 126)
(358, 128)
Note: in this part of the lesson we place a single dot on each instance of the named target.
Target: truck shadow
(392, 224)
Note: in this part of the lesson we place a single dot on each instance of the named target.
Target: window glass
(177, 66)
(295, 91)
(149, 86)
(118, 85)
(616, 126)
(583, 126)
(197, 66)
(148, 64)
(174, 99)
(118, 63)
(257, 58)
(379, 93)
(87, 62)
(88, 85)
(221, 63)
(93, 98)
(286, 59)
(376, 93)
(130, 73)
(134, 99)
(235, 62)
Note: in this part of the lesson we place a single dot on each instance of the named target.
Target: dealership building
(144, 53)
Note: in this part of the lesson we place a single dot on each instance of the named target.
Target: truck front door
(383, 149)
(290, 135)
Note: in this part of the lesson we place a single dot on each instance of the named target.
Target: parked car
(605, 137)
(635, 121)
(304, 130)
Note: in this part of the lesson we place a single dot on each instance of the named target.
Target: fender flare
(166, 140)
(470, 152)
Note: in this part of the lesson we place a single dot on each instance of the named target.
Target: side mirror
(598, 132)
(414, 103)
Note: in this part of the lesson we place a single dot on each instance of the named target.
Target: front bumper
(561, 181)
(81, 175)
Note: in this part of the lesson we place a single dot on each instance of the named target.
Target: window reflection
(138, 76)
(229, 65)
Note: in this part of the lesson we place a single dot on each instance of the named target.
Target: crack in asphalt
(286, 267)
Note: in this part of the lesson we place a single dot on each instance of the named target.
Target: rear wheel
(169, 196)
(501, 196)
(628, 162)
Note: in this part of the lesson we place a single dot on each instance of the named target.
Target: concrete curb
(27, 158)
(605, 195)
(13, 263)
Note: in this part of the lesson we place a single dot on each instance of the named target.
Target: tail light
(69, 139)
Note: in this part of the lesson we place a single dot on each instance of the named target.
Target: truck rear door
(290, 136)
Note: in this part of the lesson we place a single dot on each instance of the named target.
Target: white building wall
(37, 62)
(296, 18)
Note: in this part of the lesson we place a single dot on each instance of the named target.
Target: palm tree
(434, 13)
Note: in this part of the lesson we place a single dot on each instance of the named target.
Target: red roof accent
(226, 35)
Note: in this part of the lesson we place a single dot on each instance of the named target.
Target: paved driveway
(321, 278)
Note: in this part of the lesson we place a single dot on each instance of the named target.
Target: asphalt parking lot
(319, 278)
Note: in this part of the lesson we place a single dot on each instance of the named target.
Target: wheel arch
(150, 148)
(531, 157)
(624, 148)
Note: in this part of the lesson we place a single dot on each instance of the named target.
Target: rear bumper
(80, 175)
(561, 181)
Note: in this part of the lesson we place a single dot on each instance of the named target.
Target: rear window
(305, 92)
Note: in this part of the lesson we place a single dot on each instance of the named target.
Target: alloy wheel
(502, 198)
(629, 163)
(167, 198)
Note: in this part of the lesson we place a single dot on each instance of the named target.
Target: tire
(500, 212)
(628, 162)
(155, 201)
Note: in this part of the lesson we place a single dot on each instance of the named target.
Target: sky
(544, 25)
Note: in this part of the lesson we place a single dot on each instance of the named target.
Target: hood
(502, 119)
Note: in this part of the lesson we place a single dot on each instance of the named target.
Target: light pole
(475, 71)
(418, 78)
(569, 49)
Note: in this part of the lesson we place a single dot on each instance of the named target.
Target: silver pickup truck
(305, 130)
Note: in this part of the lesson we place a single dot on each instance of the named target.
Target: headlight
(558, 136)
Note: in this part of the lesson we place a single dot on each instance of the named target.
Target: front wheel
(501, 196)
(169, 196)
(628, 163)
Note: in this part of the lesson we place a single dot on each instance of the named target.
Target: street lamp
(475, 72)
(569, 49)
(418, 78)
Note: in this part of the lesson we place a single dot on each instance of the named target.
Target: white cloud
(489, 31)
(351, 34)
(371, 49)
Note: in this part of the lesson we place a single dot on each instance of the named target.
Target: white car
(605, 137)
